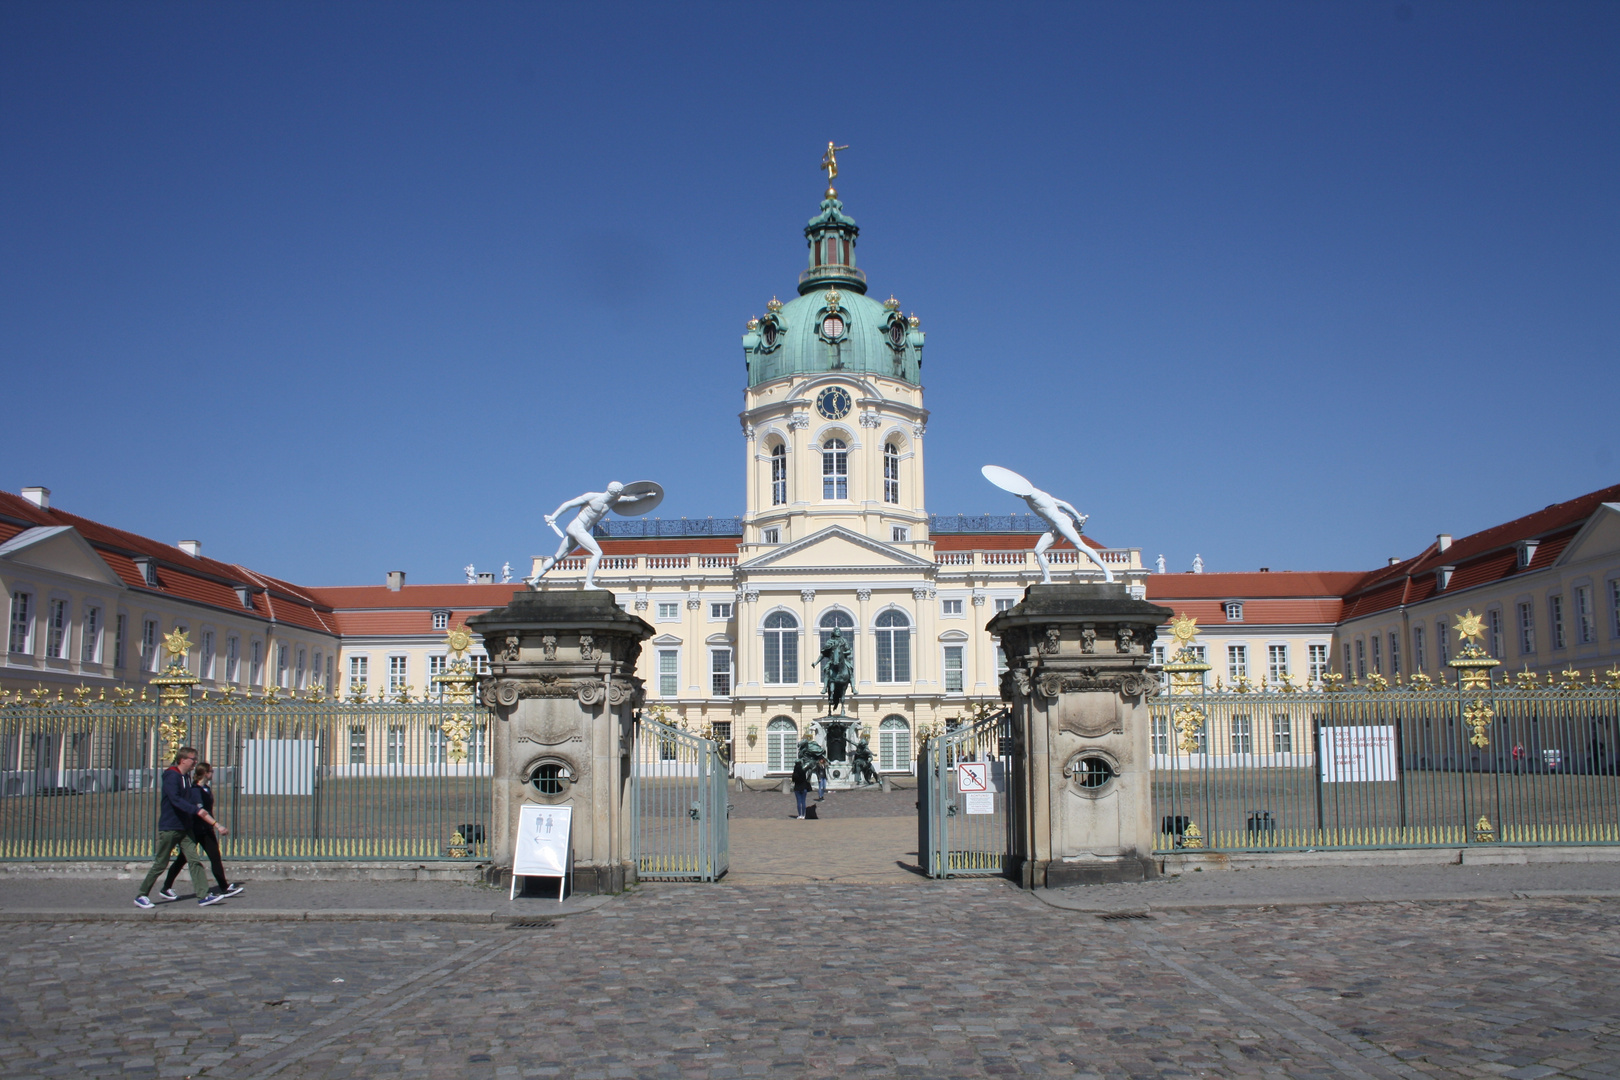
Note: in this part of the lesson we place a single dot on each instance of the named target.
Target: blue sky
(340, 289)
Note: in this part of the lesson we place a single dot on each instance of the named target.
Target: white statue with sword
(594, 506)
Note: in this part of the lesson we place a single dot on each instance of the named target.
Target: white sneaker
(168, 894)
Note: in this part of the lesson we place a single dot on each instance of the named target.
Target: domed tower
(833, 412)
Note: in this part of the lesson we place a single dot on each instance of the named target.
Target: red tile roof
(1252, 585)
(199, 580)
(1480, 558)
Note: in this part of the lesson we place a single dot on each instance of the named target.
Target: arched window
(891, 473)
(781, 648)
(781, 745)
(893, 647)
(841, 620)
(894, 745)
(778, 475)
(834, 470)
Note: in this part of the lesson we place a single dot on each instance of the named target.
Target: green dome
(832, 325)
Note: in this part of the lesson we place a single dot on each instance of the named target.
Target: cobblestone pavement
(851, 803)
(916, 979)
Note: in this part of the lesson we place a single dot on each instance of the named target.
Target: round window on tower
(768, 332)
(897, 333)
(832, 327)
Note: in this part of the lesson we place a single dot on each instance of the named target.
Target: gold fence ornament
(1189, 721)
(458, 845)
(1478, 715)
(1484, 833)
(457, 728)
(1571, 676)
(1376, 683)
(1526, 680)
(1611, 678)
(1421, 683)
(1192, 836)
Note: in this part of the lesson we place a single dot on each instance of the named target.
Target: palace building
(835, 533)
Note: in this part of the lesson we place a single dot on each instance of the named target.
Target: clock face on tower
(833, 403)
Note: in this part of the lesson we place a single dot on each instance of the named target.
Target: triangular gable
(1598, 537)
(836, 548)
(59, 549)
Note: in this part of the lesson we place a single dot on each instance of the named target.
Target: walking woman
(207, 831)
(801, 785)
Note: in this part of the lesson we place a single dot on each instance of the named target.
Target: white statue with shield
(594, 506)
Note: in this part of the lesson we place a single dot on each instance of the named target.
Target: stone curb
(1045, 897)
(192, 913)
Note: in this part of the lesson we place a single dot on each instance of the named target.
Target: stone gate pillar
(1078, 680)
(563, 683)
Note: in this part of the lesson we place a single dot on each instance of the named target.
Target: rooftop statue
(829, 161)
(1054, 511)
(594, 506)
(837, 670)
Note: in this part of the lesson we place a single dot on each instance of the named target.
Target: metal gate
(678, 806)
(962, 833)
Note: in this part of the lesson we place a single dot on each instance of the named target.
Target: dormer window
(1442, 578)
(897, 333)
(1234, 611)
(148, 568)
(768, 333)
(244, 596)
(832, 327)
(1527, 552)
(441, 620)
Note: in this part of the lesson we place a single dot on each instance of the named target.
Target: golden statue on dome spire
(829, 161)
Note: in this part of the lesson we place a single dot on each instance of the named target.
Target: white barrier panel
(1358, 754)
(278, 767)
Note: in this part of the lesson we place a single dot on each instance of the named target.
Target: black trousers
(210, 843)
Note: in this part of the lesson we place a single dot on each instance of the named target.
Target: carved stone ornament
(514, 647)
(751, 596)
(748, 432)
(807, 595)
(1124, 683)
(798, 420)
(978, 599)
(587, 647)
(641, 601)
(1088, 640)
(870, 419)
(1052, 642)
(1124, 638)
(693, 601)
(919, 594)
(591, 691)
(548, 646)
(507, 692)
(863, 595)
(917, 430)
(1014, 683)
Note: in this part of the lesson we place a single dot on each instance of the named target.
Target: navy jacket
(179, 812)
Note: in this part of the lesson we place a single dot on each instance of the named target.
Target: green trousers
(196, 860)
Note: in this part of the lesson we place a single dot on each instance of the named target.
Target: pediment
(1599, 537)
(836, 547)
(59, 549)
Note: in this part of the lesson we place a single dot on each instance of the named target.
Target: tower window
(769, 333)
(891, 473)
(778, 475)
(897, 333)
(834, 470)
(832, 327)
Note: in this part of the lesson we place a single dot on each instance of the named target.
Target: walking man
(175, 819)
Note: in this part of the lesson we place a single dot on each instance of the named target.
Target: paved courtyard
(899, 978)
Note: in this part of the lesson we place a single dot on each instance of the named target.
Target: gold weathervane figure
(829, 161)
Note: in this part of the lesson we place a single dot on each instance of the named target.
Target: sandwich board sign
(543, 848)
